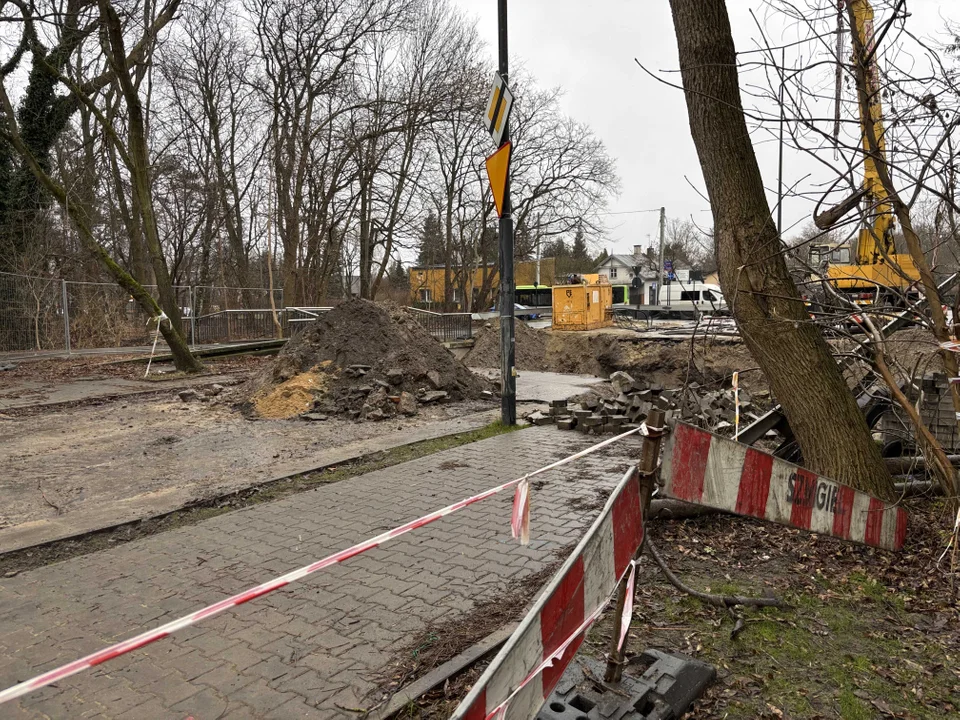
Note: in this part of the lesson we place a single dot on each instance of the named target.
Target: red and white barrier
(532, 661)
(709, 470)
(151, 636)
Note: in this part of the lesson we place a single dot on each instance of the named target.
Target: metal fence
(43, 313)
(31, 313)
(446, 327)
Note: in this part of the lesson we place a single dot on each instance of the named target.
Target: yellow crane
(878, 272)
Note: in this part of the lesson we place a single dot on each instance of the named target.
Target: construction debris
(366, 360)
(629, 402)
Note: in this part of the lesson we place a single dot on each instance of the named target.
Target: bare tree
(795, 358)
(887, 152)
(121, 73)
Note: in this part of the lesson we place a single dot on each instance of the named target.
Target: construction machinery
(877, 274)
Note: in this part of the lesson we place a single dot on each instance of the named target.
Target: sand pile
(364, 359)
(531, 348)
(292, 397)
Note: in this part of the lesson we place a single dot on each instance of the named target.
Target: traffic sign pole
(508, 396)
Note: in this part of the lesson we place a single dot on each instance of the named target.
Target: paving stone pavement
(319, 646)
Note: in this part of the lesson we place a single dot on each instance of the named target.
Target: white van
(692, 295)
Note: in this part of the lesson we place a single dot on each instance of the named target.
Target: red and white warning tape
(532, 661)
(151, 636)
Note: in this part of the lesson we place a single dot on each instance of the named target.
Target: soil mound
(668, 362)
(363, 358)
(531, 348)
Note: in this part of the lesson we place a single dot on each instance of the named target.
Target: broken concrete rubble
(596, 415)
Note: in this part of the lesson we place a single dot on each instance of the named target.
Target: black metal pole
(508, 395)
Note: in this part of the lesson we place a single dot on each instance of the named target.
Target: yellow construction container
(586, 305)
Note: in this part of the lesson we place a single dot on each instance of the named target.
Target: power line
(629, 212)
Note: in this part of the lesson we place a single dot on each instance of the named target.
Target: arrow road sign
(498, 109)
(498, 165)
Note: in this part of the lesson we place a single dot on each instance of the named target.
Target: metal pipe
(900, 465)
(660, 272)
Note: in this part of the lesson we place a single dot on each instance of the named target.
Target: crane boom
(876, 241)
(877, 268)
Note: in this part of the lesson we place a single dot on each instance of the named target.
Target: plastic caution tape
(532, 661)
(151, 636)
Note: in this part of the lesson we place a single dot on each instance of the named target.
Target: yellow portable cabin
(584, 303)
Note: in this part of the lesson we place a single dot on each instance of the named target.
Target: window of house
(690, 296)
(613, 272)
(457, 296)
(425, 295)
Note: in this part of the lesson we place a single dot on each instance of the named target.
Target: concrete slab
(544, 386)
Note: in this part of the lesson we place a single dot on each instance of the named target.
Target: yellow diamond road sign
(498, 109)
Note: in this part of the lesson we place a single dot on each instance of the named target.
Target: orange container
(584, 306)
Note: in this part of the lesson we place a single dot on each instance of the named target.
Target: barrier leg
(649, 458)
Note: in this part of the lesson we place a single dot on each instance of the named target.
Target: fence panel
(46, 313)
(31, 313)
(445, 327)
(105, 315)
(239, 325)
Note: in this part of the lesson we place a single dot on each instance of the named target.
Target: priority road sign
(498, 109)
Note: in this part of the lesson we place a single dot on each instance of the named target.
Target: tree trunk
(140, 181)
(792, 353)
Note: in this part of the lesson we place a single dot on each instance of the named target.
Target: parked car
(532, 315)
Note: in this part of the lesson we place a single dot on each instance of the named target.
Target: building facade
(427, 284)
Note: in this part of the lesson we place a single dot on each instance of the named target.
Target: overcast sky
(588, 48)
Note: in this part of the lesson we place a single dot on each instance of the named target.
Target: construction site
(337, 380)
(370, 393)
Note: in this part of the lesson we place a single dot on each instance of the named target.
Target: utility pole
(508, 392)
(661, 274)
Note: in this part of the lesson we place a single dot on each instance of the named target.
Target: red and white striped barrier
(151, 636)
(709, 470)
(532, 661)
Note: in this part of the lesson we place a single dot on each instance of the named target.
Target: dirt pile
(364, 359)
(666, 362)
(531, 348)
(581, 353)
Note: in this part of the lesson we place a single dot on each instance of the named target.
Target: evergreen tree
(579, 251)
(398, 274)
(431, 241)
(555, 249)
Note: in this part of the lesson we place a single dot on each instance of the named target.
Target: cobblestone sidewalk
(317, 647)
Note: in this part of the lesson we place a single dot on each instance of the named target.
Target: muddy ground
(64, 460)
(671, 363)
(80, 455)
